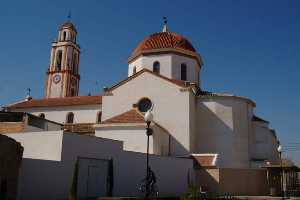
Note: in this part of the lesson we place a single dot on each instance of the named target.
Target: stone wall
(11, 127)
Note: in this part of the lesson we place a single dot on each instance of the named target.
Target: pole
(147, 170)
(282, 192)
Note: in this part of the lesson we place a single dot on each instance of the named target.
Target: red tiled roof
(52, 102)
(174, 81)
(205, 160)
(131, 116)
(164, 40)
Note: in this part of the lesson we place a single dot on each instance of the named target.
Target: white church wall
(193, 122)
(224, 123)
(82, 114)
(171, 106)
(170, 66)
(265, 143)
(48, 179)
(142, 62)
(192, 68)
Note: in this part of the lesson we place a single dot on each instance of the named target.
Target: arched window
(58, 59)
(183, 72)
(70, 118)
(75, 61)
(156, 67)
(64, 36)
(73, 93)
(42, 115)
(134, 70)
(99, 115)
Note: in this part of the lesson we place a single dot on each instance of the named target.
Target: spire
(69, 16)
(165, 27)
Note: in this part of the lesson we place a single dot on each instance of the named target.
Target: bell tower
(62, 77)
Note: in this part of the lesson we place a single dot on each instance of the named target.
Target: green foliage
(193, 193)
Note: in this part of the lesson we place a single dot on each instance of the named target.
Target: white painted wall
(48, 179)
(46, 145)
(134, 137)
(193, 70)
(171, 106)
(170, 66)
(223, 127)
(82, 114)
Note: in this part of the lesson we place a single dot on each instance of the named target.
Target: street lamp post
(281, 169)
(148, 119)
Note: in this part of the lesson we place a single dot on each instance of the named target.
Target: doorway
(94, 178)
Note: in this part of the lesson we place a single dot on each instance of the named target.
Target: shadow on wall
(60, 180)
(235, 182)
(165, 144)
(224, 130)
(44, 179)
(44, 176)
(10, 161)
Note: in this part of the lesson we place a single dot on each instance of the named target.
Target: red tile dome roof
(164, 40)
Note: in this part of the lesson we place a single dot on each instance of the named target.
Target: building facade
(216, 129)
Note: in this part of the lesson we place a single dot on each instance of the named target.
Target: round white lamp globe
(148, 116)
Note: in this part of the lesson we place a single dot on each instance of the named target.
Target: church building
(217, 130)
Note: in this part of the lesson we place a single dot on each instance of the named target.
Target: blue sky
(250, 48)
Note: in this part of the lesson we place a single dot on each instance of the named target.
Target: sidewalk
(264, 198)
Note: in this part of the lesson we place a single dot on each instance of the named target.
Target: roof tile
(52, 102)
(163, 40)
(131, 116)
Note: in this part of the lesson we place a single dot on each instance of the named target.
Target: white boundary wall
(49, 179)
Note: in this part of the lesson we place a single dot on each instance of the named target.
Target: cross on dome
(165, 27)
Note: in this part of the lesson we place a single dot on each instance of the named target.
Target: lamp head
(279, 149)
(148, 116)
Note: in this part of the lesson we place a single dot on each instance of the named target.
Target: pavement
(265, 198)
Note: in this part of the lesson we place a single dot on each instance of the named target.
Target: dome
(164, 40)
(68, 25)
